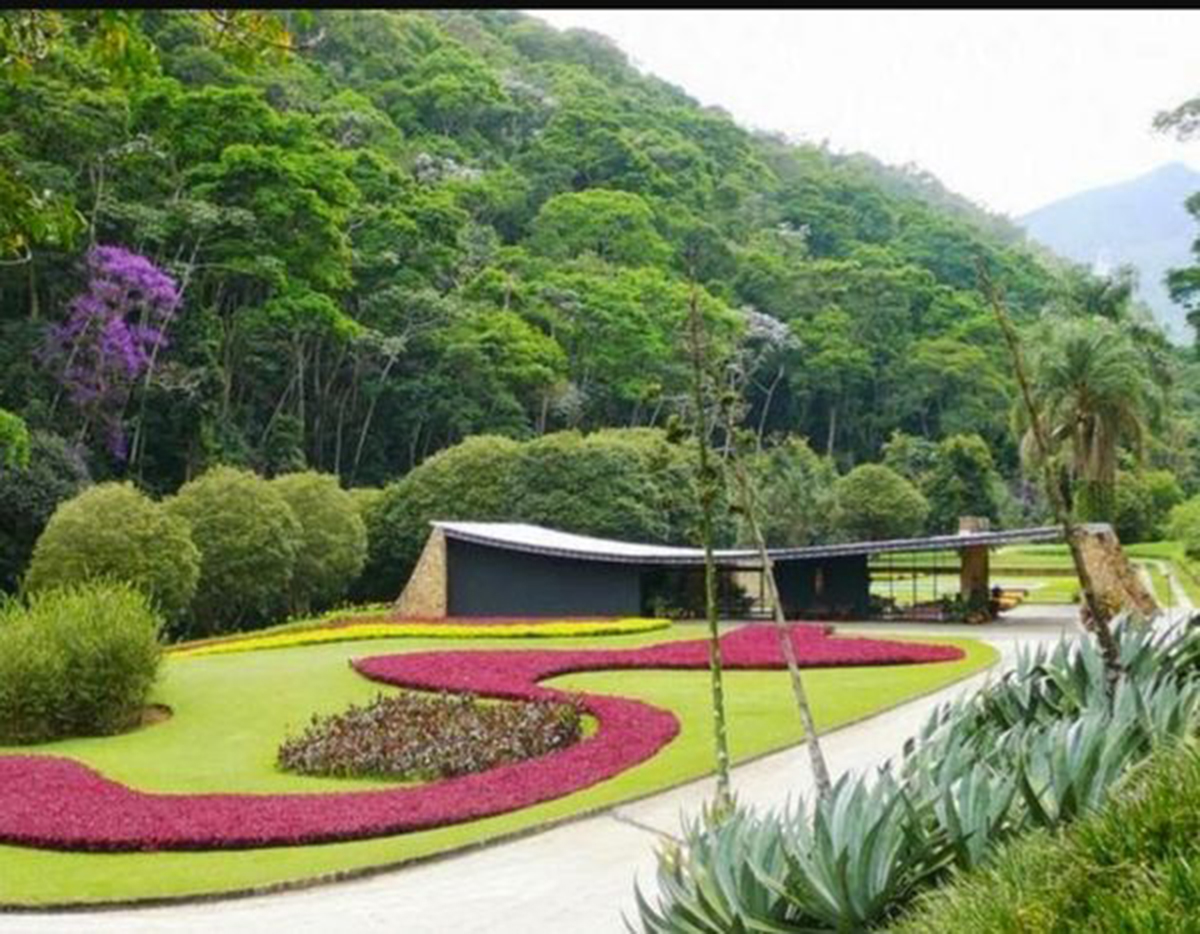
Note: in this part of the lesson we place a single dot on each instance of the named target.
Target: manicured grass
(232, 711)
(1133, 866)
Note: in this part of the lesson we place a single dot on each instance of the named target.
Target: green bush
(873, 502)
(795, 494)
(28, 497)
(333, 539)
(620, 483)
(112, 530)
(1183, 525)
(469, 481)
(1143, 501)
(248, 538)
(77, 661)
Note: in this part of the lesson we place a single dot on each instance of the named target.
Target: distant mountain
(1141, 222)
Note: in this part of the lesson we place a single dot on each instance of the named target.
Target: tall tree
(1091, 385)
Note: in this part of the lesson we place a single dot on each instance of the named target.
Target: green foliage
(1144, 499)
(873, 502)
(76, 661)
(29, 496)
(1092, 386)
(14, 441)
(114, 531)
(248, 539)
(615, 226)
(470, 481)
(964, 482)
(795, 494)
(1183, 525)
(629, 484)
(332, 548)
(491, 228)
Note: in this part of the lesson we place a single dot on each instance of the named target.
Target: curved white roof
(536, 539)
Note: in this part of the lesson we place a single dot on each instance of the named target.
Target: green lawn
(231, 712)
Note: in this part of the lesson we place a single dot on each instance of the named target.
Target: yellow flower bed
(420, 630)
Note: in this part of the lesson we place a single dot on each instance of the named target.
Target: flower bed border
(351, 630)
(57, 803)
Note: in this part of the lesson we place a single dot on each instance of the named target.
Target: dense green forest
(413, 227)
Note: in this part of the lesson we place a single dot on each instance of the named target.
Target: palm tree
(1091, 384)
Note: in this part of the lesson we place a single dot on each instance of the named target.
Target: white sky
(1010, 108)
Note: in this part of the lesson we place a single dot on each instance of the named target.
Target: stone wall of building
(425, 594)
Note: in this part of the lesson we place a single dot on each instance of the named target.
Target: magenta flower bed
(56, 803)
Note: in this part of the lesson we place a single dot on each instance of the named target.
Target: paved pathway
(577, 878)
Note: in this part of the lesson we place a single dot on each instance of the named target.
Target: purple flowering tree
(114, 332)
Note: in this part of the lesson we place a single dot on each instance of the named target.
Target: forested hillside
(416, 227)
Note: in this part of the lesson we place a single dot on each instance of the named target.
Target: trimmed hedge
(248, 538)
(77, 661)
(333, 539)
(114, 531)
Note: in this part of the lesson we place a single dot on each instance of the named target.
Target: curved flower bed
(57, 803)
(352, 630)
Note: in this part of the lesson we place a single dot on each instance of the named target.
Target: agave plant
(1068, 767)
(854, 856)
(711, 882)
(1041, 746)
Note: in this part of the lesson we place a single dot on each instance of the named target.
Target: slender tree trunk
(708, 496)
(362, 435)
(749, 505)
(1097, 617)
(831, 438)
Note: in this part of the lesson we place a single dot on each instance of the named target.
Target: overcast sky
(1012, 109)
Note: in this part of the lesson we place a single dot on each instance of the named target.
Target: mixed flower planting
(422, 737)
(384, 627)
(58, 803)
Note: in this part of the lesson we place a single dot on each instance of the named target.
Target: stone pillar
(425, 595)
(974, 579)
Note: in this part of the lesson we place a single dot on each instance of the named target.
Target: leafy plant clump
(419, 737)
(1040, 749)
(76, 661)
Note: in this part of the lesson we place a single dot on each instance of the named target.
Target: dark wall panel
(487, 581)
(824, 587)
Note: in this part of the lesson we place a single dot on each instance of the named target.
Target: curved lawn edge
(57, 803)
(370, 858)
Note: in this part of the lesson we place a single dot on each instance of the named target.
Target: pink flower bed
(57, 803)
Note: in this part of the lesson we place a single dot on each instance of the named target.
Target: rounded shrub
(873, 502)
(76, 661)
(248, 539)
(115, 531)
(29, 495)
(1183, 525)
(472, 480)
(333, 539)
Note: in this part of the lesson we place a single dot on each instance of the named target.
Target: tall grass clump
(76, 661)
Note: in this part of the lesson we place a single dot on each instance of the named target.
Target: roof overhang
(536, 539)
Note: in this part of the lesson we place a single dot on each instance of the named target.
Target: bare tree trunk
(708, 495)
(362, 435)
(1097, 617)
(749, 505)
(832, 436)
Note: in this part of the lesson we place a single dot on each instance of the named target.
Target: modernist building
(513, 569)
